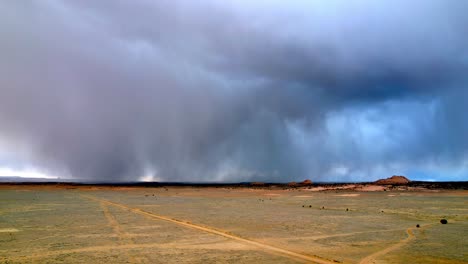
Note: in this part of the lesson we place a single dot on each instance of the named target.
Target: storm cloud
(234, 90)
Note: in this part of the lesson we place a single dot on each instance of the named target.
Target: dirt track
(124, 238)
(269, 248)
(193, 225)
(371, 258)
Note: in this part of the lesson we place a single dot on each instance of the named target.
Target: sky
(231, 91)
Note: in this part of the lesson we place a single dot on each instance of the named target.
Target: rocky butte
(394, 180)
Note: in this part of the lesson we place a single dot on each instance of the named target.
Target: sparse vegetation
(58, 225)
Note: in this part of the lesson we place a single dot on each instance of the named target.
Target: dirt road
(265, 247)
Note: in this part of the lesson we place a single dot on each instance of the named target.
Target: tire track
(266, 247)
(123, 236)
(410, 236)
(113, 222)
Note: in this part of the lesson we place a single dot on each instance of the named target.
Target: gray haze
(234, 90)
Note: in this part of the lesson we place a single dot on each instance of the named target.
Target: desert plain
(183, 224)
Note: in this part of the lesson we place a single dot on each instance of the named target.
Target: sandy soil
(230, 225)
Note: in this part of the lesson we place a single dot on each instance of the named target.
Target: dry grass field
(230, 225)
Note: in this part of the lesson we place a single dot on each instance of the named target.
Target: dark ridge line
(424, 184)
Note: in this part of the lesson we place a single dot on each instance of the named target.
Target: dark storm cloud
(114, 90)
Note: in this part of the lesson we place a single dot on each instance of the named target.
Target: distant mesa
(394, 180)
(306, 182)
(302, 183)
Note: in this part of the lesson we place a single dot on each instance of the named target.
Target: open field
(230, 225)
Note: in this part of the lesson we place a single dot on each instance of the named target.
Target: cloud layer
(233, 91)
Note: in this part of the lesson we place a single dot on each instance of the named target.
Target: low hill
(394, 180)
